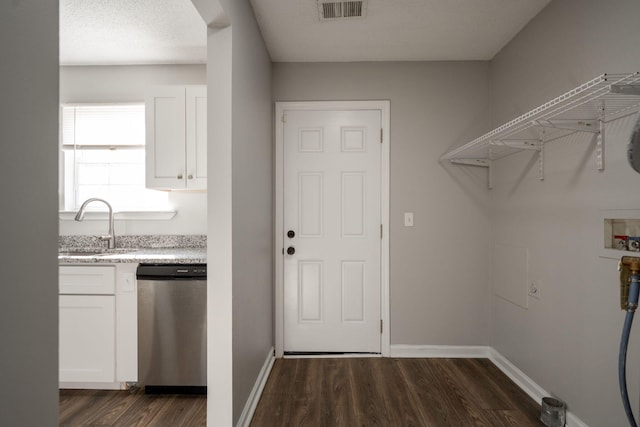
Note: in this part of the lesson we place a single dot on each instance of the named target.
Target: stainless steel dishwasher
(172, 331)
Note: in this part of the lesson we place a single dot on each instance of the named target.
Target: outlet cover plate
(408, 219)
(534, 288)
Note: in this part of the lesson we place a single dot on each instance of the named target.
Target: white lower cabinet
(97, 326)
(87, 338)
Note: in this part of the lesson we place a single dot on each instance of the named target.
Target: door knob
(291, 250)
(291, 234)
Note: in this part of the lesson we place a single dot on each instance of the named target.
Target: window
(103, 156)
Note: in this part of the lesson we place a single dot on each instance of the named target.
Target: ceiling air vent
(341, 10)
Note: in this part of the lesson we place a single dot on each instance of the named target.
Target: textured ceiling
(405, 30)
(99, 32)
(109, 32)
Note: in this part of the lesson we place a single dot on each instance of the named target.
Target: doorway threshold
(327, 354)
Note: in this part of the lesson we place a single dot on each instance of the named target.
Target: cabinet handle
(179, 176)
(190, 176)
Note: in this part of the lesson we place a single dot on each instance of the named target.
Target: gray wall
(219, 227)
(438, 268)
(28, 222)
(241, 174)
(568, 341)
(252, 177)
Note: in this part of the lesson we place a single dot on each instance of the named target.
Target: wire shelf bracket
(483, 163)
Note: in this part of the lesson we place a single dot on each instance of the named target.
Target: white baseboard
(256, 392)
(92, 386)
(436, 351)
(533, 390)
(528, 385)
(517, 376)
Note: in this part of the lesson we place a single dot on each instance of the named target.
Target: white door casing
(332, 192)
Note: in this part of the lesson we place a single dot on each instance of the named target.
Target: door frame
(281, 107)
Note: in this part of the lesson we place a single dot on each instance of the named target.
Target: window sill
(120, 216)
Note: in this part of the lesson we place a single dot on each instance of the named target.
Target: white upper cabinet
(176, 138)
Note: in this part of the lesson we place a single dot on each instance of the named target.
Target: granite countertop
(139, 256)
(133, 249)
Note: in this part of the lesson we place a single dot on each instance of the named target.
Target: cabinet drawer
(86, 280)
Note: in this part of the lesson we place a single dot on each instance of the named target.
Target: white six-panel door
(332, 231)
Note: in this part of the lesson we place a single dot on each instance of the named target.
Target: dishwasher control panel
(171, 271)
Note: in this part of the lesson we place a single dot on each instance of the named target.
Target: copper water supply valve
(632, 262)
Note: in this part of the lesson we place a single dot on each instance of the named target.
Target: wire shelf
(585, 108)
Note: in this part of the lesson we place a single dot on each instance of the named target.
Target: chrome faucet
(111, 237)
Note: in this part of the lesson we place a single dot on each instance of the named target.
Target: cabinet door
(87, 338)
(196, 139)
(165, 138)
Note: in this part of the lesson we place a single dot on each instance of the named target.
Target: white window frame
(67, 184)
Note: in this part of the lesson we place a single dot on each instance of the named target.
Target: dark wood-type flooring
(335, 393)
(392, 392)
(127, 409)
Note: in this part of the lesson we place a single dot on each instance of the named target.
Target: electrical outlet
(534, 288)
